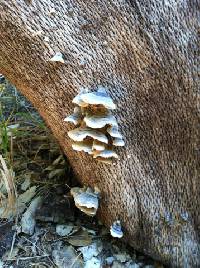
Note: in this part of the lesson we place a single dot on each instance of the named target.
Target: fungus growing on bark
(114, 132)
(86, 200)
(118, 142)
(99, 146)
(85, 146)
(74, 118)
(116, 229)
(97, 132)
(79, 134)
(100, 121)
(99, 97)
(106, 154)
(58, 57)
(78, 100)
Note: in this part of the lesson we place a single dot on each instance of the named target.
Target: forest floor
(39, 223)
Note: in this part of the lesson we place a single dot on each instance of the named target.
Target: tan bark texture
(145, 54)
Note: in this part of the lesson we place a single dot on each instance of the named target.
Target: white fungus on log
(118, 142)
(97, 129)
(98, 146)
(99, 97)
(58, 57)
(116, 229)
(85, 146)
(100, 121)
(79, 134)
(86, 200)
(74, 118)
(106, 154)
(78, 100)
(114, 132)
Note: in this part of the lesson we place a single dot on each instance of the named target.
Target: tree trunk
(145, 55)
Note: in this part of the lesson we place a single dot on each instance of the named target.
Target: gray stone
(122, 257)
(66, 257)
(26, 184)
(28, 218)
(93, 263)
(92, 250)
(117, 264)
(132, 265)
(64, 229)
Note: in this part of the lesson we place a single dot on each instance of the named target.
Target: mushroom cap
(100, 121)
(86, 200)
(85, 146)
(106, 154)
(98, 97)
(118, 142)
(99, 146)
(76, 117)
(76, 190)
(116, 230)
(114, 132)
(78, 100)
(79, 134)
(58, 57)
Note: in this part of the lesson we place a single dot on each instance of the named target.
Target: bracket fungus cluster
(86, 199)
(97, 129)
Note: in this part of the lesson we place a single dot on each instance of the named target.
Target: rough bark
(145, 54)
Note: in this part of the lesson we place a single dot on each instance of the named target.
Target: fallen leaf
(80, 239)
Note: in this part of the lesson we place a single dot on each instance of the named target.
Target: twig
(33, 257)
(75, 260)
(12, 245)
(38, 249)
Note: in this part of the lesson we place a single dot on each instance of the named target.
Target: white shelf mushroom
(79, 134)
(58, 57)
(99, 97)
(114, 132)
(106, 154)
(78, 99)
(98, 129)
(99, 146)
(86, 200)
(76, 117)
(118, 142)
(100, 121)
(116, 229)
(85, 146)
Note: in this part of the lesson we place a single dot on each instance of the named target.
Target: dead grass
(7, 182)
(27, 150)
